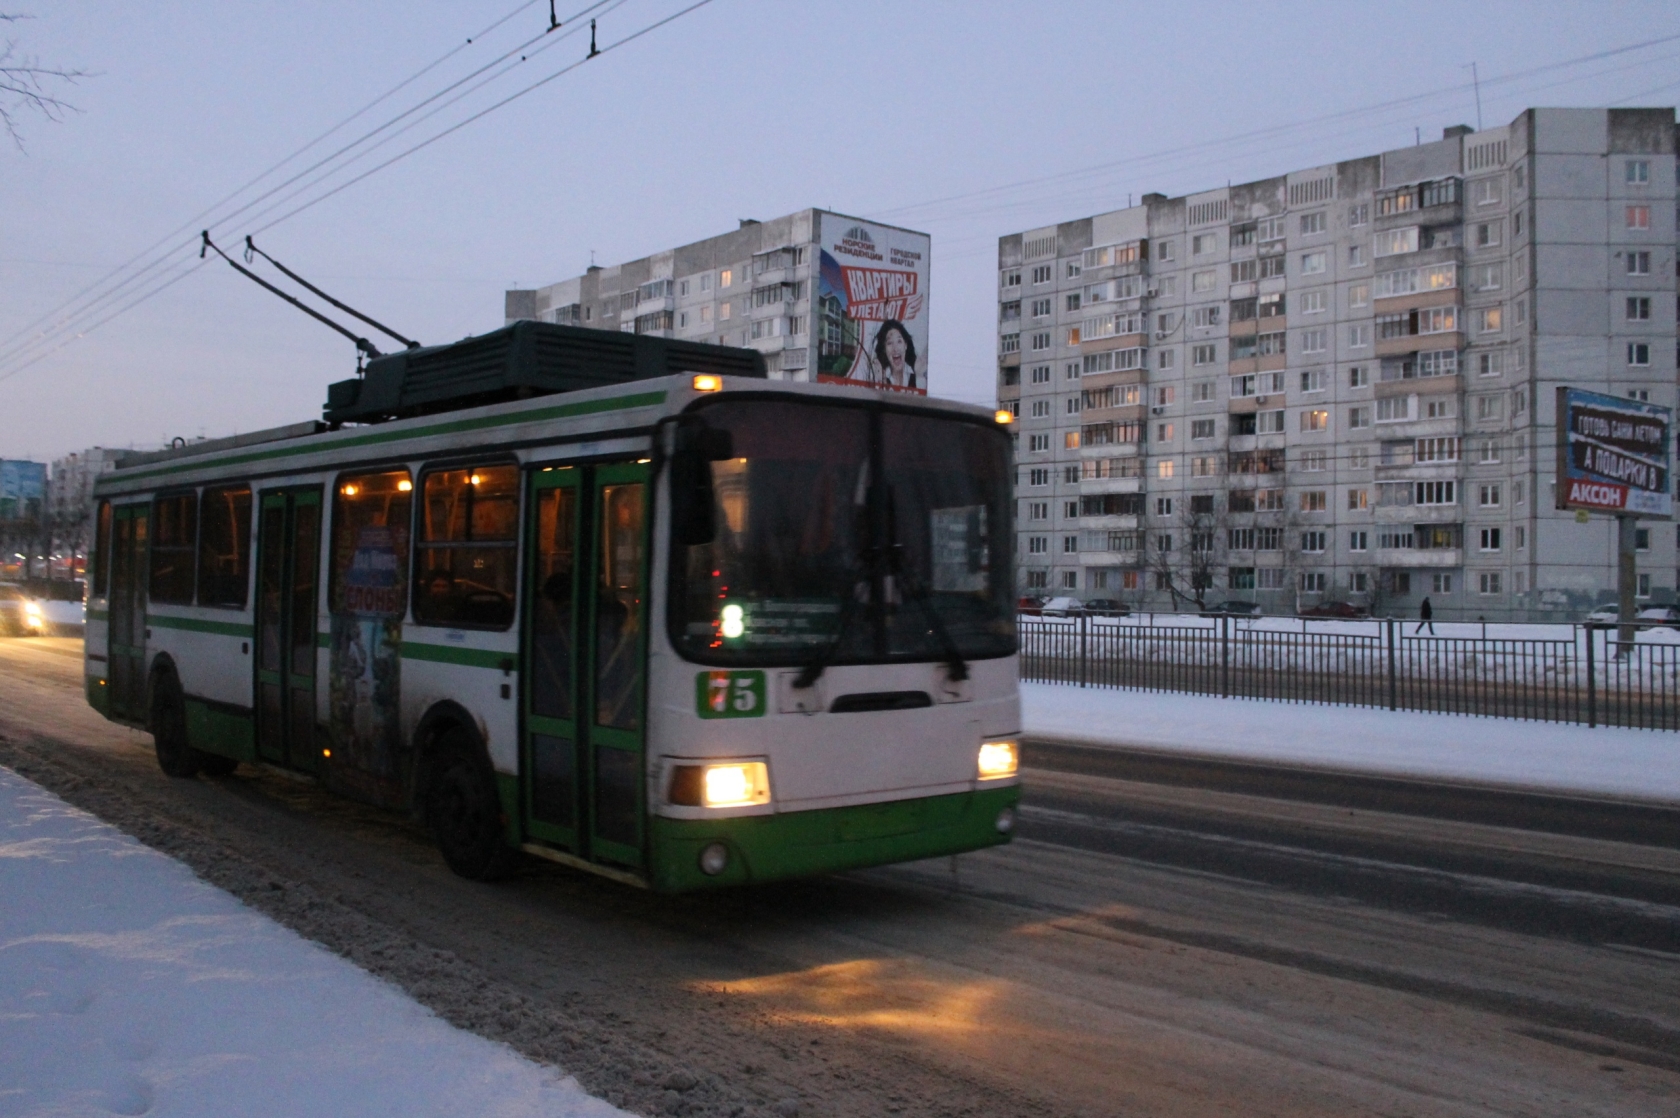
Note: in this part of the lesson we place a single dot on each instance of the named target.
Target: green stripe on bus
(98, 615)
(376, 438)
(194, 625)
(323, 640)
(451, 654)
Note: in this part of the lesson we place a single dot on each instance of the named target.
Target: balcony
(1434, 558)
(1111, 485)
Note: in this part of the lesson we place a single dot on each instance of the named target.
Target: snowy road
(1143, 950)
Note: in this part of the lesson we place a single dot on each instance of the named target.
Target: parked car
(1063, 607)
(1660, 615)
(1107, 607)
(1029, 605)
(1235, 609)
(1604, 615)
(1346, 611)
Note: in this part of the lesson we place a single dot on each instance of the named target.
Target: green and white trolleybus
(612, 600)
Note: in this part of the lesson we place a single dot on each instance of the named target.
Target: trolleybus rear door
(550, 761)
(617, 644)
(288, 560)
(127, 622)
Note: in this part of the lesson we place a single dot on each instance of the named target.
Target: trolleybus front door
(584, 717)
(127, 621)
(288, 558)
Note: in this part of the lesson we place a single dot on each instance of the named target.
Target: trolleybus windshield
(830, 533)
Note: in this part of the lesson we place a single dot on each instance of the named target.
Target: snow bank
(129, 986)
(1573, 759)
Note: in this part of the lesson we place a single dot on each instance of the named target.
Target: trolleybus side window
(618, 607)
(466, 554)
(174, 542)
(371, 520)
(102, 551)
(224, 546)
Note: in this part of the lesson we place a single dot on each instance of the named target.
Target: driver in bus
(441, 604)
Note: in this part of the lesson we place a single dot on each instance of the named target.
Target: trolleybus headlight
(714, 859)
(998, 759)
(724, 784)
(736, 785)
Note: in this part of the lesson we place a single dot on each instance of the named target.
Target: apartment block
(1339, 384)
(822, 295)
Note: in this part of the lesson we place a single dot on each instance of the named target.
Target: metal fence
(1580, 673)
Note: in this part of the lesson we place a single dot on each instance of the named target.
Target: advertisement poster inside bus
(871, 308)
(1613, 454)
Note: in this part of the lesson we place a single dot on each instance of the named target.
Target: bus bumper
(806, 843)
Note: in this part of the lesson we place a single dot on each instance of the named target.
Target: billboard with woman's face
(871, 306)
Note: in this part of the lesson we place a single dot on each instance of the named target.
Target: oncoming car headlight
(999, 759)
(720, 784)
(32, 615)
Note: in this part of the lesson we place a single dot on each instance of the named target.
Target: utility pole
(1627, 540)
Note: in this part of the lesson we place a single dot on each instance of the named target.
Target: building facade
(822, 295)
(1339, 384)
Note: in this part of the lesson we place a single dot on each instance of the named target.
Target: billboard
(871, 305)
(1613, 454)
(23, 486)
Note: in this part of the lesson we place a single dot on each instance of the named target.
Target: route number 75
(729, 694)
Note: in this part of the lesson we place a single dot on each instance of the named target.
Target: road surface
(1144, 948)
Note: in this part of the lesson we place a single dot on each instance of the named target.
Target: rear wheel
(169, 730)
(466, 813)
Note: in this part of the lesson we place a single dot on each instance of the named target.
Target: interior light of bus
(737, 784)
(404, 485)
(998, 759)
(474, 479)
(1004, 415)
(349, 491)
(733, 621)
(643, 461)
(706, 382)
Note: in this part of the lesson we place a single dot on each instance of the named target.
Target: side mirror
(693, 522)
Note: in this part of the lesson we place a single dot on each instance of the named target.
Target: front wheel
(466, 813)
(169, 730)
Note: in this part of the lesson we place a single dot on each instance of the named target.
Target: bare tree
(1189, 568)
(28, 86)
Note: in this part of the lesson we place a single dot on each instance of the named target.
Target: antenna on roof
(251, 247)
(363, 346)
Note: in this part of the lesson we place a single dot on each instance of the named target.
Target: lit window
(1639, 217)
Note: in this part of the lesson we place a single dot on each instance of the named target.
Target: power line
(91, 306)
(1261, 133)
(198, 217)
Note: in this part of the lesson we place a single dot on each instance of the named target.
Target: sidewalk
(129, 986)
(1542, 756)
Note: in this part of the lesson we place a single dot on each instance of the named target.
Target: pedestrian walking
(1426, 616)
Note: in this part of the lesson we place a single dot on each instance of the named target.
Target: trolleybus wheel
(466, 813)
(169, 730)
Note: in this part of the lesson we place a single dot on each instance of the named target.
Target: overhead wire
(93, 306)
(197, 218)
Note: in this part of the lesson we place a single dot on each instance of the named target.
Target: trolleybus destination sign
(1613, 454)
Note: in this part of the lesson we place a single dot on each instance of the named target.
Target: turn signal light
(705, 382)
(1004, 415)
(998, 759)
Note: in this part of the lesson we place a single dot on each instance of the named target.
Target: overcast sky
(924, 115)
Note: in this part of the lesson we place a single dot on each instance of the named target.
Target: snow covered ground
(129, 986)
(1642, 764)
